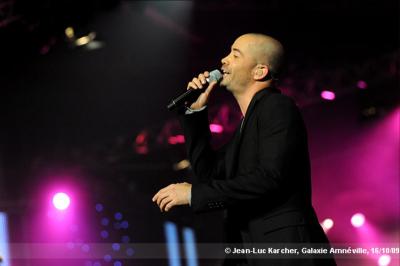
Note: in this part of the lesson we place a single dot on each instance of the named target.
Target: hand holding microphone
(195, 88)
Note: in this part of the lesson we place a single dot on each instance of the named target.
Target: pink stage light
(176, 139)
(327, 224)
(61, 201)
(358, 220)
(361, 84)
(215, 128)
(384, 260)
(328, 95)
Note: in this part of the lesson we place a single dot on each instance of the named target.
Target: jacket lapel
(232, 153)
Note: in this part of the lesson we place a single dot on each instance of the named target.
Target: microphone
(190, 94)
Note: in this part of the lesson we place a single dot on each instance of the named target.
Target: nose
(224, 60)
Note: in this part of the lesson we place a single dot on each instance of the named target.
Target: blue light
(130, 251)
(190, 246)
(105, 221)
(118, 216)
(107, 258)
(85, 248)
(104, 234)
(124, 224)
(117, 263)
(125, 239)
(115, 246)
(99, 207)
(171, 234)
(5, 252)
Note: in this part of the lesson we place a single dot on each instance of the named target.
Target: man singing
(262, 176)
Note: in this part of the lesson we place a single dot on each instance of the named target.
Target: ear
(260, 72)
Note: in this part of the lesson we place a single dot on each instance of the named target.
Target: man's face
(238, 65)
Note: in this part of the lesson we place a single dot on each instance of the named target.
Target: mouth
(224, 72)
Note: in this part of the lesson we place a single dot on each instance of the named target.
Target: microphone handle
(187, 95)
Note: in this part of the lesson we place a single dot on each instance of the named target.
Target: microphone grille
(215, 75)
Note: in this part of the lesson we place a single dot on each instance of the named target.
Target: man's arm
(207, 164)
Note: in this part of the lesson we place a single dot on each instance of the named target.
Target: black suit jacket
(261, 178)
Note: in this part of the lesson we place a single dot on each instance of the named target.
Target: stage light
(85, 248)
(118, 216)
(85, 39)
(328, 95)
(327, 224)
(125, 239)
(181, 165)
(117, 263)
(384, 260)
(61, 201)
(70, 33)
(104, 234)
(176, 139)
(361, 84)
(130, 251)
(124, 224)
(99, 207)
(116, 246)
(105, 221)
(358, 220)
(215, 128)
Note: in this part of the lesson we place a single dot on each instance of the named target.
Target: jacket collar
(256, 98)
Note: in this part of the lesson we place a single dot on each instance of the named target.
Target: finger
(161, 197)
(165, 202)
(197, 82)
(192, 85)
(202, 79)
(159, 192)
(170, 205)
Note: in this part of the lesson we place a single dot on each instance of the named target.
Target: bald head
(265, 50)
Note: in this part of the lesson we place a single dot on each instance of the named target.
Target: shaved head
(266, 50)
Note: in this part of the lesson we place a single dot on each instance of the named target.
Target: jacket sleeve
(277, 129)
(207, 164)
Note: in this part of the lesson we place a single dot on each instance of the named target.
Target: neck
(244, 98)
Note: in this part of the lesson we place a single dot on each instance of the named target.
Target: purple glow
(61, 201)
(85, 248)
(107, 258)
(361, 84)
(117, 263)
(384, 260)
(328, 95)
(358, 220)
(216, 128)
